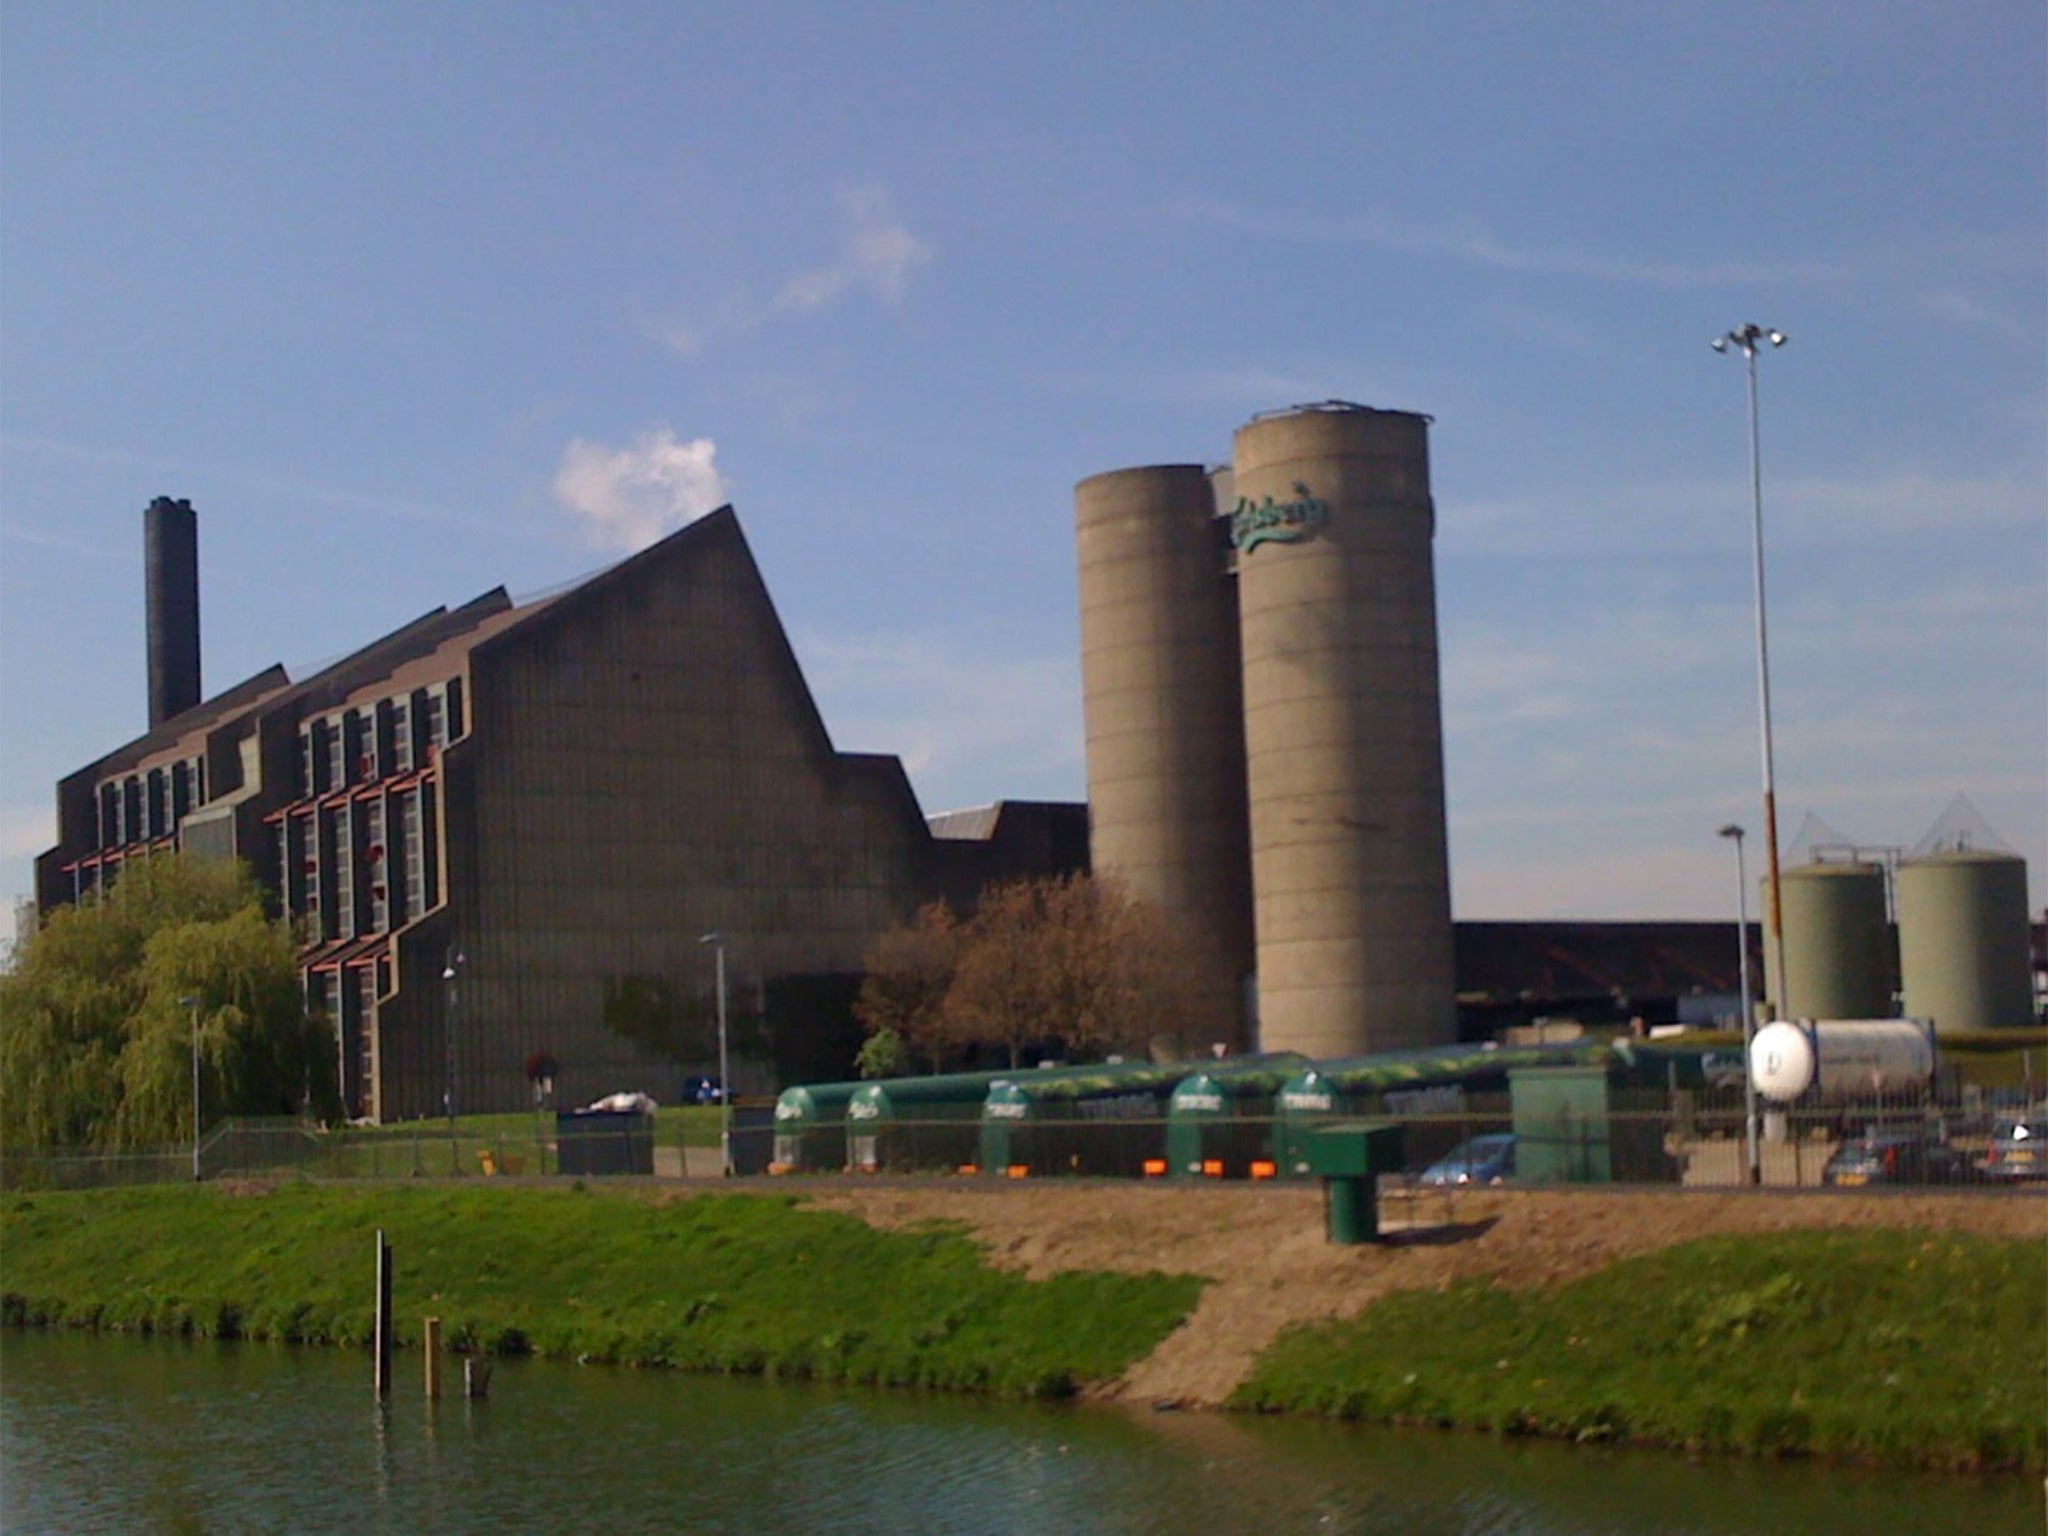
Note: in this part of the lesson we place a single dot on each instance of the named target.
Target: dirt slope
(1264, 1245)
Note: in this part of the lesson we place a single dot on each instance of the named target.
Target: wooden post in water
(430, 1341)
(383, 1317)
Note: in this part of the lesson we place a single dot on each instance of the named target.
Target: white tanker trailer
(1842, 1058)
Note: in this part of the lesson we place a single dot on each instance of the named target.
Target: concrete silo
(1839, 962)
(1963, 940)
(1164, 708)
(1343, 730)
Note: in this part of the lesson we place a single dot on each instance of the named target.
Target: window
(131, 810)
(308, 782)
(376, 867)
(437, 719)
(157, 790)
(340, 839)
(337, 755)
(414, 868)
(401, 734)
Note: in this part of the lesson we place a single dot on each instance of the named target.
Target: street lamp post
(1746, 339)
(450, 971)
(717, 943)
(1752, 1159)
(192, 1003)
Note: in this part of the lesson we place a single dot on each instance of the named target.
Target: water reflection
(125, 1435)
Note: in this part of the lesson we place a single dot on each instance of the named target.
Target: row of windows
(142, 807)
(340, 873)
(392, 736)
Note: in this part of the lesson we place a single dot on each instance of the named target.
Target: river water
(127, 1435)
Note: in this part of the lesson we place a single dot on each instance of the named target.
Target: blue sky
(412, 301)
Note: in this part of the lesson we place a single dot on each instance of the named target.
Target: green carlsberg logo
(1281, 522)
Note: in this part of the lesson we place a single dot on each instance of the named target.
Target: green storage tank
(909, 1124)
(1963, 942)
(1105, 1120)
(1306, 1100)
(1220, 1120)
(810, 1127)
(1839, 959)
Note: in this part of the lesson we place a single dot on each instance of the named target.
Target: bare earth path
(1263, 1246)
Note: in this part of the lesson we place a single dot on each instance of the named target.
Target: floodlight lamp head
(188, 1002)
(1732, 830)
(712, 938)
(1719, 343)
(1777, 338)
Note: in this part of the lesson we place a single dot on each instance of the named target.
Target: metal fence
(1696, 1138)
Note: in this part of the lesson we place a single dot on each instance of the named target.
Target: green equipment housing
(1349, 1156)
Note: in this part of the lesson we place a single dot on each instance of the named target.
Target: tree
(909, 973)
(1075, 964)
(96, 1042)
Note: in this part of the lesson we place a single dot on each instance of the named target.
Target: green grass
(747, 1284)
(1901, 1347)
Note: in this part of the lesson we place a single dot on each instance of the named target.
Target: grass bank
(1907, 1348)
(729, 1283)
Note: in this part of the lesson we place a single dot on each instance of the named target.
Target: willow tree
(97, 1013)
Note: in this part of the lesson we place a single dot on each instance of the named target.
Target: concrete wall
(1163, 704)
(1343, 731)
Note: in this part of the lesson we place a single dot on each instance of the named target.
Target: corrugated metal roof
(976, 824)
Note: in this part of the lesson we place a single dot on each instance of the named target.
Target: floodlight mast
(1747, 339)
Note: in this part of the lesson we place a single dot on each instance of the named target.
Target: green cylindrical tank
(1223, 1115)
(1197, 1105)
(810, 1127)
(1306, 1100)
(1105, 1119)
(1963, 940)
(906, 1123)
(1838, 947)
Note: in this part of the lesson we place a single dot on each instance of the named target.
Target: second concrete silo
(1333, 529)
(1839, 962)
(1164, 709)
(1963, 940)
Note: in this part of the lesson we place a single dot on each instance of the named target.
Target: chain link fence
(1697, 1138)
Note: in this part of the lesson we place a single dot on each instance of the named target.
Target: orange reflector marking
(1212, 1168)
(969, 1168)
(1018, 1171)
(1264, 1170)
(1154, 1167)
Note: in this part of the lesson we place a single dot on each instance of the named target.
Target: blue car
(1482, 1160)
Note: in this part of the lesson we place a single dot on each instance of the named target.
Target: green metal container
(810, 1126)
(1197, 1106)
(1350, 1156)
(1306, 1101)
(1561, 1126)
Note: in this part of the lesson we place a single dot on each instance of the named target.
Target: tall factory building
(1164, 706)
(1332, 528)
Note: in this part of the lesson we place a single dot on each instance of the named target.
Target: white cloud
(626, 498)
(1471, 240)
(878, 255)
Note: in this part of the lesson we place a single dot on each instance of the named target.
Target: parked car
(1482, 1160)
(1909, 1154)
(2019, 1147)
